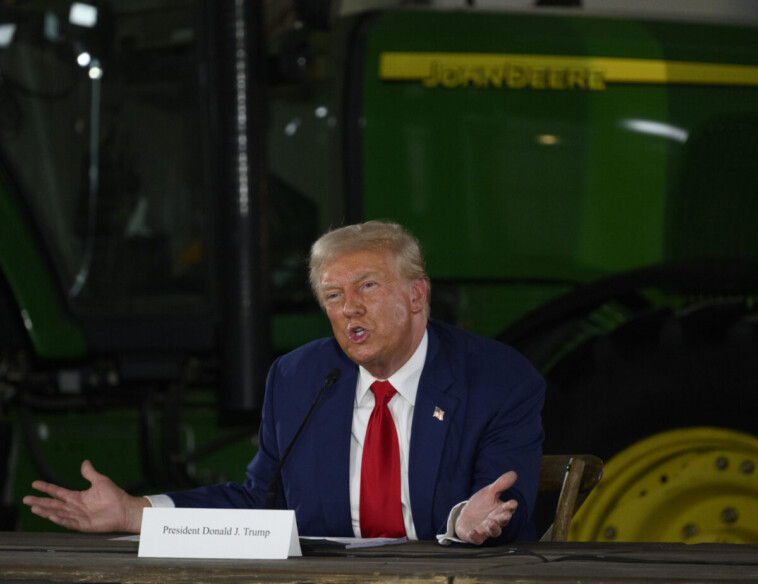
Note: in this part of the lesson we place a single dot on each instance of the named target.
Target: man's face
(377, 318)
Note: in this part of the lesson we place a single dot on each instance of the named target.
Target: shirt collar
(405, 380)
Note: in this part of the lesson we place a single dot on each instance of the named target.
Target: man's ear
(418, 295)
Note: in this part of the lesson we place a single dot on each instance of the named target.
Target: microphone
(273, 488)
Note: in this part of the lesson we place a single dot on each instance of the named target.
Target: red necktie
(381, 514)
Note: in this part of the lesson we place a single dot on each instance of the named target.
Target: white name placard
(218, 533)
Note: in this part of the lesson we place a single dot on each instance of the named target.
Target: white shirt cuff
(449, 536)
(160, 501)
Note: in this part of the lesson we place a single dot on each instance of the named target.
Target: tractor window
(99, 137)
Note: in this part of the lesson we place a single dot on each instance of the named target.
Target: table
(73, 557)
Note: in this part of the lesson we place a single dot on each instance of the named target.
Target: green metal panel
(541, 183)
(51, 334)
(623, 206)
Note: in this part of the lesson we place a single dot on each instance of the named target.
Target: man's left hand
(485, 515)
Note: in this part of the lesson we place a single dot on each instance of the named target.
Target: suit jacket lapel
(434, 410)
(333, 433)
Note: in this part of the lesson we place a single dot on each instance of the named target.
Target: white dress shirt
(405, 380)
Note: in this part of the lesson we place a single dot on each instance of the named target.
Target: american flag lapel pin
(438, 413)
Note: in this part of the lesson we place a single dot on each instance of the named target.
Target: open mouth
(356, 333)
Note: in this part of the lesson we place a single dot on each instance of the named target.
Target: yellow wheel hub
(692, 485)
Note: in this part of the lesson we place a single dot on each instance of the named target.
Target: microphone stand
(273, 488)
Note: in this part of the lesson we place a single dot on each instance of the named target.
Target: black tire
(663, 367)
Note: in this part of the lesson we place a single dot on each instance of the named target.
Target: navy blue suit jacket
(491, 398)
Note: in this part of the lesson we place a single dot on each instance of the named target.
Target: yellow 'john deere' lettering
(513, 76)
(560, 72)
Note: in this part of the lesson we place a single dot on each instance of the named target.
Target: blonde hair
(369, 236)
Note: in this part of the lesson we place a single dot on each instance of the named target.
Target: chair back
(574, 475)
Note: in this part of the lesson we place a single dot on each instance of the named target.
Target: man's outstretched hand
(485, 515)
(102, 508)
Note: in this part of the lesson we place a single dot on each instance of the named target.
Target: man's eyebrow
(359, 277)
(364, 276)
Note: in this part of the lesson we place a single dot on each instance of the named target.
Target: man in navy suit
(466, 413)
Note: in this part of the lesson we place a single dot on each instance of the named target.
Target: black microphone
(273, 488)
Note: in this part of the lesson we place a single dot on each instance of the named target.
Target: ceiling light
(6, 34)
(83, 14)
